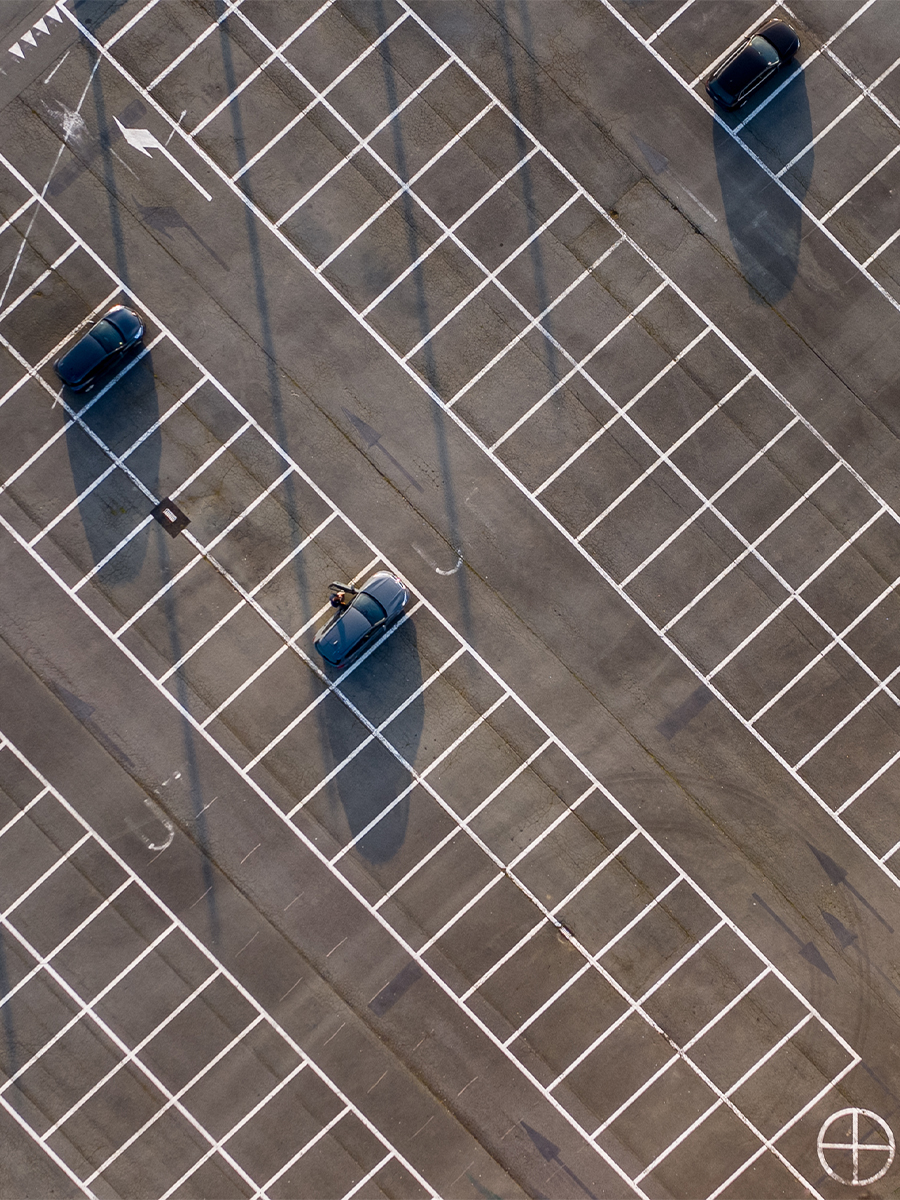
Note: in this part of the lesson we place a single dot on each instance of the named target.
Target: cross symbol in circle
(855, 1146)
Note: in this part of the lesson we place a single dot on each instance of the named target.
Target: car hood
(80, 360)
(336, 641)
(128, 323)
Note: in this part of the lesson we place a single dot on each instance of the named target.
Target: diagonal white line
(232, 6)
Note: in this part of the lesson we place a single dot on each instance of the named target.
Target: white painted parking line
(708, 505)
(172, 1101)
(231, 6)
(831, 1085)
(675, 446)
(370, 1175)
(31, 372)
(141, 1045)
(813, 142)
(881, 686)
(22, 811)
(454, 745)
(688, 1046)
(232, 96)
(235, 1129)
(129, 25)
(577, 368)
(198, 945)
(839, 638)
(264, 582)
(317, 99)
(881, 249)
(41, 879)
(791, 593)
(367, 741)
(862, 183)
(406, 187)
(286, 646)
(11, 220)
(695, 1124)
(33, 287)
(635, 1004)
(294, 1159)
(543, 922)
(674, 17)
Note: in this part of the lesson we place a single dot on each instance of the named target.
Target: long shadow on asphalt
(764, 224)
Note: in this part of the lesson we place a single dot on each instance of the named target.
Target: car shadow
(369, 785)
(765, 223)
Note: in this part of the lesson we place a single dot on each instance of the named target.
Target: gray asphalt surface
(583, 880)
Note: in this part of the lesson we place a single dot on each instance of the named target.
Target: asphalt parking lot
(583, 879)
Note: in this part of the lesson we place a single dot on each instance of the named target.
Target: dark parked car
(114, 333)
(733, 83)
(368, 612)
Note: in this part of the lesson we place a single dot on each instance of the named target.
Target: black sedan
(361, 614)
(115, 332)
(733, 83)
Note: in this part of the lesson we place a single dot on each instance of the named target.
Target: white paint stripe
(688, 1045)
(32, 287)
(736, 562)
(674, 17)
(794, 593)
(206, 953)
(695, 1124)
(317, 99)
(367, 1177)
(61, 861)
(236, 1128)
(708, 504)
(367, 741)
(129, 25)
(22, 811)
(13, 1111)
(527, 937)
(855, 711)
(284, 649)
(406, 188)
(795, 1119)
(862, 183)
(83, 1006)
(739, 40)
(822, 133)
(510, 345)
(176, 62)
(323, 1132)
(23, 208)
(461, 825)
(578, 369)
(172, 1102)
(454, 745)
(264, 582)
(636, 1005)
(260, 69)
(675, 446)
(123, 1062)
(888, 242)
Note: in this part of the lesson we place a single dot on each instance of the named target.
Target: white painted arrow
(145, 141)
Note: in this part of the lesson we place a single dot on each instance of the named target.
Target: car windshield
(370, 608)
(765, 50)
(107, 335)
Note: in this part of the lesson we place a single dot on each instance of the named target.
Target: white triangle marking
(16, 50)
(41, 24)
(28, 37)
(54, 15)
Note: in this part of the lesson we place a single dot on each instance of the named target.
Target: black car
(366, 613)
(115, 332)
(748, 68)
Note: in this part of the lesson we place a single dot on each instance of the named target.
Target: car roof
(743, 68)
(82, 358)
